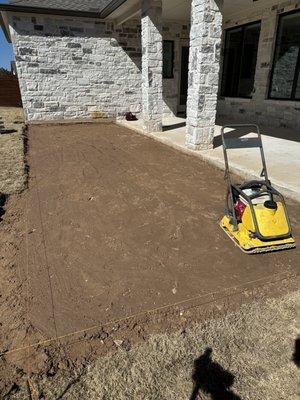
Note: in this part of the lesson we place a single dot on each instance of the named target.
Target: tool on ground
(256, 214)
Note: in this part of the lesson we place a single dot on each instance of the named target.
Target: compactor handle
(243, 143)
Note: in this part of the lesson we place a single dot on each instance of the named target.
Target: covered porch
(180, 43)
(181, 61)
(187, 109)
(183, 52)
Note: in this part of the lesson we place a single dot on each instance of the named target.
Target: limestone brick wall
(81, 68)
(76, 68)
(260, 109)
(152, 63)
(204, 65)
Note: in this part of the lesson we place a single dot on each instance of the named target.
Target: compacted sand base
(117, 237)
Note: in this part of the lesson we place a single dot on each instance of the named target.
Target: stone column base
(200, 146)
(152, 126)
(200, 138)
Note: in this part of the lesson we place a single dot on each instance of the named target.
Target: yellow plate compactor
(256, 215)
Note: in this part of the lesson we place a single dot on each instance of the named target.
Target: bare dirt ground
(116, 239)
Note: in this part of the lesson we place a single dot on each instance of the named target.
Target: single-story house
(201, 58)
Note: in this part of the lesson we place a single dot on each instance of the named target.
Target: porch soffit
(180, 10)
(177, 10)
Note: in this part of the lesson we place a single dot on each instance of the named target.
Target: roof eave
(109, 9)
(5, 27)
(48, 11)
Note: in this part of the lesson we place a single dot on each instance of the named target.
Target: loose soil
(116, 238)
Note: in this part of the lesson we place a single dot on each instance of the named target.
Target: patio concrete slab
(282, 151)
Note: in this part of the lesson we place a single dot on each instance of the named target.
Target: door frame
(183, 43)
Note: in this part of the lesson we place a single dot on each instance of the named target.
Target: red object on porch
(130, 117)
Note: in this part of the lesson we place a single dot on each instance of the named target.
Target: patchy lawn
(251, 358)
(12, 164)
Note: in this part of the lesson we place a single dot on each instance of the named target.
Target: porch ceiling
(177, 10)
(181, 9)
(232, 7)
(172, 10)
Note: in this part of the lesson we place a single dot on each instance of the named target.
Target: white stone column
(204, 66)
(152, 103)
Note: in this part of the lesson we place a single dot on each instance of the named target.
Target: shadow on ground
(2, 205)
(174, 126)
(211, 378)
(279, 133)
(296, 355)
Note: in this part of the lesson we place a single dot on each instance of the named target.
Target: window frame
(171, 76)
(243, 26)
(297, 70)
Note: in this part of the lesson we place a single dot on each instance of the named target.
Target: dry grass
(12, 165)
(255, 344)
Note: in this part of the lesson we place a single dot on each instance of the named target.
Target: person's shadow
(211, 378)
(296, 355)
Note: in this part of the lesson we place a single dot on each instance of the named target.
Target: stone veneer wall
(259, 109)
(152, 64)
(76, 68)
(80, 68)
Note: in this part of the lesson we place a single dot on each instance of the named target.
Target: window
(285, 80)
(168, 59)
(241, 45)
